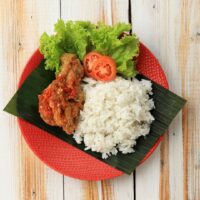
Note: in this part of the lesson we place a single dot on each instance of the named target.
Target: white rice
(115, 114)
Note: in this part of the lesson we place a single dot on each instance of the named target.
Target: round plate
(67, 159)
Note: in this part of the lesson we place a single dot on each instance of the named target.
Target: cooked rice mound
(115, 114)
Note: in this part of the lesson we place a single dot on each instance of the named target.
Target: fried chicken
(60, 103)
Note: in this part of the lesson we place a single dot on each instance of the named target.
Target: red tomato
(89, 60)
(104, 69)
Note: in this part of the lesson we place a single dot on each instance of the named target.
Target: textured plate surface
(67, 159)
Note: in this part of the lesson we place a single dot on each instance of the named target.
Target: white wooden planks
(144, 25)
(123, 187)
(188, 53)
(80, 10)
(120, 11)
(53, 185)
(171, 30)
(9, 149)
(109, 12)
(39, 16)
(168, 51)
(23, 22)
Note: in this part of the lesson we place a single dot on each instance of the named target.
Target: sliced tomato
(104, 69)
(89, 60)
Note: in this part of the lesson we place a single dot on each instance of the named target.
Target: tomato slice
(89, 60)
(104, 69)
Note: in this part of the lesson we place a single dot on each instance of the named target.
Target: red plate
(67, 159)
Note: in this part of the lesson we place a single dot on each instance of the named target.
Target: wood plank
(123, 187)
(91, 190)
(109, 12)
(147, 178)
(37, 17)
(144, 24)
(9, 149)
(159, 20)
(81, 10)
(171, 171)
(164, 168)
(54, 185)
(178, 51)
(169, 24)
(183, 59)
(188, 52)
(120, 9)
(23, 22)
(172, 28)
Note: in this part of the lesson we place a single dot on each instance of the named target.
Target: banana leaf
(24, 104)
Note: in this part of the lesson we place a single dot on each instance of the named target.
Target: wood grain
(32, 170)
(32, 175)
(9, 146)
(107, 190)
(109, 12)
(119, 11)
(84, 10)
(183, 50)
(145, 24)
(35, 20)
(159, 19)
(53, 185)
(172, 35)
(121, 187)
(168, 20)
(23, 22)
(171, 29)
(90, 190)
(32, 21)
(188, 57)
(164, 168)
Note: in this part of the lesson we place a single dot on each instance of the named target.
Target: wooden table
(171, 29)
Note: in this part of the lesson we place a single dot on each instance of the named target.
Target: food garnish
(82, 37)
(99, 67)
(89, 60)
(104, 69)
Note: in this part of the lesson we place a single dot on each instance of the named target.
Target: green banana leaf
(24, 104)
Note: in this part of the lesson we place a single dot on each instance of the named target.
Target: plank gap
(63, 187)
(60, 8)
(130, 21)
(134, 185)
(130, 15)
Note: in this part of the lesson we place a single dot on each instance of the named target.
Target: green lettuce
(81, 37)
(70, 37)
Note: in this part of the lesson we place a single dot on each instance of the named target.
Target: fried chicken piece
(60, 103)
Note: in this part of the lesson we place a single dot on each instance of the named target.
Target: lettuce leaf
(70, 37)
(73, 36)
(105, 40)
(123, 55)
(49, 46)
(80, 37)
